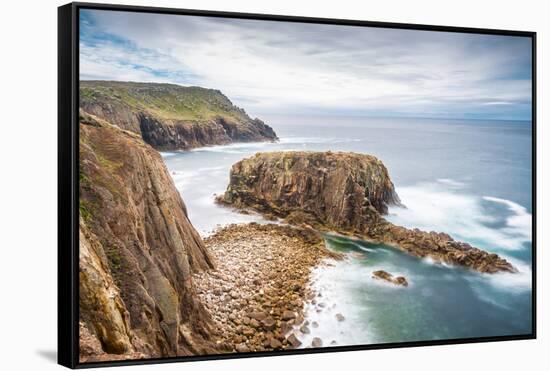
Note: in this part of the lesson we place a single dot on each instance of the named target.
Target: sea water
(471, 179)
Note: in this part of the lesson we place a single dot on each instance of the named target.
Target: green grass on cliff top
(166, 101)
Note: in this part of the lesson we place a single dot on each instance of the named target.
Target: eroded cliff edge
(138, 252)
(343, 192)
(172, 117)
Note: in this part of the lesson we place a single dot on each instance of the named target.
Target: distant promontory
(172, 117)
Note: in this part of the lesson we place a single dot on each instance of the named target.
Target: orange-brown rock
(343, 192)
(385, 276)
(138, 251)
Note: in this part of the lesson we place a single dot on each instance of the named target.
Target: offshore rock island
(343, 192)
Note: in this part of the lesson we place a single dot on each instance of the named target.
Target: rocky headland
(344, 192)
(172, 117)
(138, 252)
(256, 295)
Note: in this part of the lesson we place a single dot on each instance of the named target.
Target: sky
(269, 67)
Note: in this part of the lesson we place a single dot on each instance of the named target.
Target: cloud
(268, 66)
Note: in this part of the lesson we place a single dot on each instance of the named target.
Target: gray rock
(242, 348)
(317, 343)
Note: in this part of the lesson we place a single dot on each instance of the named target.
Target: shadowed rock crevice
(344, 192)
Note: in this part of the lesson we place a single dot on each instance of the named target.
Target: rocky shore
(348, 193)
(257, 293)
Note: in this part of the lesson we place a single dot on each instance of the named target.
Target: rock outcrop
(172, 117)
(138, 252)
(343, 192)
(388, 277)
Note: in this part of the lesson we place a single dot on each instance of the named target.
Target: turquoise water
(471, 179)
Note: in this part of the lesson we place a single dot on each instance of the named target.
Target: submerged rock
(317, 343)
(383, 275)
(344, 192)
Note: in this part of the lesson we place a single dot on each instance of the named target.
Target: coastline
(258, 293)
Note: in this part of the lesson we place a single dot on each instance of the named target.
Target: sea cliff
(172, 117)
(138, 252)
(344, 192)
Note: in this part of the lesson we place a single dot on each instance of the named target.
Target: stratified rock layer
(138, 251)
(172, 117)
(344, 192)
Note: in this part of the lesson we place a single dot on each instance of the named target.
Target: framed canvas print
(238, 185)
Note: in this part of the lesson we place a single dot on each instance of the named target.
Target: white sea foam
(440, 206)
(328, 281)
(316, 140)
(451, 183)
(167, 154)
(235, 147)
(520, 281)
(520, 222)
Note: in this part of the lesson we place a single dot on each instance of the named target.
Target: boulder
(293, 341)
(385, 276)
(317, 343)
(288, 315)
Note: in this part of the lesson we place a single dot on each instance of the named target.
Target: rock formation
(343, 192)
(172, 117)
(385, 276)
(138, 252)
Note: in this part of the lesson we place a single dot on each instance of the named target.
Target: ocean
(471, 179)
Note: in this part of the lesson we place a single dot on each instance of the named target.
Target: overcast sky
(294, 68)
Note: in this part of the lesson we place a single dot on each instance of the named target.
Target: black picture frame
(68, 181)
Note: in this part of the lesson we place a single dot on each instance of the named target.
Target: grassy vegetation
(85, 210)
(166, 101)
(115, 261)
(83, 179)
(110, 166)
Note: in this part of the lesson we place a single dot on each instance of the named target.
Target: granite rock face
(344, 192)
(138, 250)
(172, 117)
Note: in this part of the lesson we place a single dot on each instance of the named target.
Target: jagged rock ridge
(345, 192)
(172, 117)
(138, 252)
